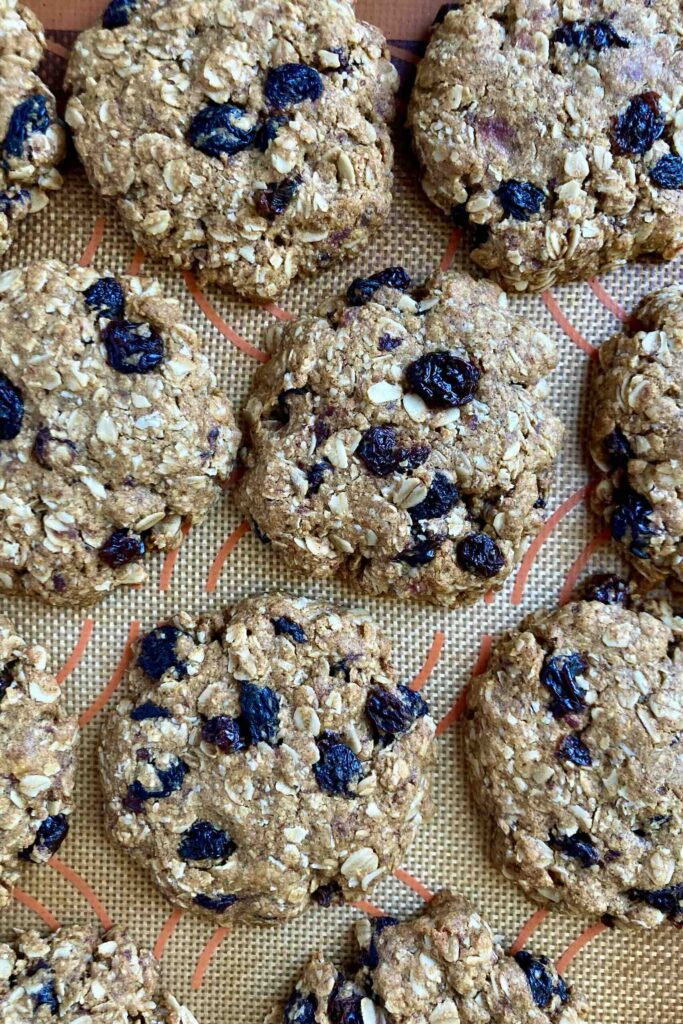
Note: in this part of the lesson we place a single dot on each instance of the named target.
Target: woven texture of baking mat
(629, 977)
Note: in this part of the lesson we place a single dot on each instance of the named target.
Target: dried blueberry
(326, 895)
(224, 732)
(50, 451)
(118, 13)
(268, 132)
(49, 837)
(260, 713)
(668, 901)
(638, 127)
(218, 903)
(300, 1009)
(287, 627)
(122, 548)
(444, 10)
(105, 297)
(171, 780)
(260, 535)
(439, 500)
(276, 196)
(572, 748)
(28, 117)
(608, 589)
(11, 409)
(344, 1003)
(479, 554)
(387, 343)
(370, 957)
(11, 201)
(592, 35)
(394, 713)
(362, 289)
(580, 846)
(338, 768)
(668, 171)
(316, 474)
(46, 996)
(6, 680)
(158, 652)
(215, 130)
(421, 552)
(559, 674)
(617, 448)
(281, 413)
(540, 979)
(132, 347)
(630, 520)
(149, 710)
(204, 841)
(520, 199)
(442, 378)
(379, 451)
(292, 83)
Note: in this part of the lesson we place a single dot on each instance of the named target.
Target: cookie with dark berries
(572, 738)
(266, 759)
(399, 438)
(554, 130)
(112, 431)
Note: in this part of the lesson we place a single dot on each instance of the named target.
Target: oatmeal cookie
(443, 966)
(266, 759)
(572, 737)
(37, 743)
(403, 442)
(637, 436)
(32, 139)
(112, 428)
(81, 973)
(555, 129)
(246, 138)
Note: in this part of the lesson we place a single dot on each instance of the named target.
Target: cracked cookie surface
(37, 742)
(247, 139)
(403, 443)
(572, 739)
(266, 759)
(112, 429)
(637, 436)
(556, 133)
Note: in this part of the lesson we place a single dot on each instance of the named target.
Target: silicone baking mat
(629, 977)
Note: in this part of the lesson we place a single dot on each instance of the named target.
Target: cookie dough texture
(351, 472)
(637, 436)
(576, 103)
(444, 965)
(328, 157)
(254, 781)
(82, 973)
(37, 742)
(573, 747)
(122, 431)
(32, 140)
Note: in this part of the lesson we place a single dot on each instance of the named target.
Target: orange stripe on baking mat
(77, 652)
(480, 665)
(278, 311)
(37, 907)
(82, 886)
(578, 944)
(116, 677)
(608, 302)
(227, 547)
(528, 929)
(169, 926)
(93, 243)
(204, 958)
(413, 883)
(54, 47)
(218, 322)
(368, 908)
(136, 262)
(565, 323)
(451, 249)
(430, 661)
(171, 559)
(580, 564)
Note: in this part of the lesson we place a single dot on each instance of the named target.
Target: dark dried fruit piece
(520, 199)
(590, 35)
(204, 841)
(267, 133)
(122, 548)
(668, 901)
(572, 748)
(379, 451)
(422, 552)
(617, 448)
(224, 732)
(215, 130)
(281, 412)
(580, 846)
(638, 127)
(668, 171)
(149, 710)
(394, 713)
(11, 201)
(479, 554)
(316, 474)
(28, 118)
(49, 837)
(171, 780)
(288, 627)
(629, 520)
(118, 13)
(260, 713)
(274, 199)
(300, 1009)
(11, 409)
(6, 679)
(132, 347)
(50, 451)
(158, 652)
(292, 83)
(338, 769)
(560, 674)
(370, 957)
(540, 979)
(439, 500)
(362, 289)
(608, 589)
(46, 996)
(387, 343)
(442, 378)
(105, 297)
(344, 1003)
(341, 668)
(218, 903)
(328, 894)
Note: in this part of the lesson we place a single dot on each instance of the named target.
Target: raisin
(287, 627)
(11, 201)
(118, 13)
(105, 297)
(149, 710)
(292, 83)
(439, 500)
(591, 35)
(362, 289)
(224, 732)
(213, 130)
(442, 378)
(638, 127)
(49, 837)
(394, 713)
(11, 409)
(668, 171)
(328, 894)
(421, 552)
(668, 901)
(132, 347)
(282, 412)
(379, 451)
(46, 996)
(300, 1009)
(370, 957)
(579, 846)
(50, 451)
(608, 589)
(629, 520)
(260, 713)
(477, 553)
(218, 903)
(204, 841)
(344, 1003)
(559, 674)
(28, 118)
(572, 748)
(520, 199)
(276, 196)
(122, 548)
(158, 652)
(387, 343)
(316, 474)
(267, 133)
(171, 780)
(540, 979)
(617, 448)
(338, 768)
(416, 456)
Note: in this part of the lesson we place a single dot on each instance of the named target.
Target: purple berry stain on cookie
(520, 199)
(668, 172)
(560, 674)
(477, 553)
(28, 118)
(370, 957)
(170, 781)
(268, 131)
(630, 521)
(49, 837)
(216, 130)
(590, 35)
(300, 1009)
(540, 979)
(607, 589)
(45, 996)
(443, 379)
(106, 298)
(387, 343)
(274, 199)
(289, 84)
(579, 846)
(218, 903)
(118, 13)
(51, 451)
(668, 901)
(260, 713)
(158, 654)
(122, 548)
(204, 841)
(362, 289)
(638, 127)
(572, 748)
(148, 711)
(224, 732)
(439, 500)
(132, 347)
(285, 626)
(421, 552)
(338, 769)
(394, 713)
(11, 409)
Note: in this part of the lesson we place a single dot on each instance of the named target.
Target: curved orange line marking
(226, 548)
(93, 243)
(577, 945)
(528, 929)
(166, 932)
(278, 311)
(541, 537)
(489, 596)
(171, 559)
(406, 55)
(608, 302)
(54, 47)
(580, 563)
(135, 264)
(82, 886)
(430, 661)
(480, 666)
(413, 883)
(204, 958)
(368, 908)
(218, 322)
(116, 677)
(77, 652)
(37, 907)
(566, 324)
(234, 478)
(451, 249)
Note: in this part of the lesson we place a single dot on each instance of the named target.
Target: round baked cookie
(572, 739)
(112, 429)
(554, 129)
(247, 139)
(402, 440)
(443, 966)
(32, 140)
(637, 435)
(37, 742)
(81, 973)
(267, 759)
